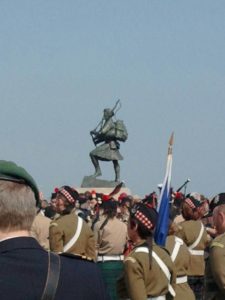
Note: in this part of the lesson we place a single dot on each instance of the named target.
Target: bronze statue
(109, 134)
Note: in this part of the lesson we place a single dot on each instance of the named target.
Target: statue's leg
(117, 170)
(96, 165)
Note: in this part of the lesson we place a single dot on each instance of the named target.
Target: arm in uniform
(97, 235)
(90, 249)
(55, 238)
(134, 279)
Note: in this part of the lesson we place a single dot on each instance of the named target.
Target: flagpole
(168, 166)
(163, 205)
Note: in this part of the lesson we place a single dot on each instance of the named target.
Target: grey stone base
(90, 181)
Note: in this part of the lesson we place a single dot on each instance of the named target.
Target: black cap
(69, 193)
(145, 214)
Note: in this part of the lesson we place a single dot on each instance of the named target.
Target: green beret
(11, 172)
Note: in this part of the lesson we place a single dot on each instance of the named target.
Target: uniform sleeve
(134, 279)
(106, 127)
(55, 238)
(217, 262)
(96, 236)
(91, 251)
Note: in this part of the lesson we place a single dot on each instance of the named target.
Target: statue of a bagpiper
(108, 134)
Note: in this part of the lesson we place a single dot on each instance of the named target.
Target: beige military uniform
(40, 230)
(189, 231)
(111, 240)
(215, 270)
(140, 281)
(70, 233)
(181, 257)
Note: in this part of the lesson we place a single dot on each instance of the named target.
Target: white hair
(17, 206)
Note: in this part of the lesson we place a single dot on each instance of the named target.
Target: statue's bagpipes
(98, 137)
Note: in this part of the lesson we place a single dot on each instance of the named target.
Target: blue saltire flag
(164, 201)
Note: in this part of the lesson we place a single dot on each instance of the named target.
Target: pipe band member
(149, 271)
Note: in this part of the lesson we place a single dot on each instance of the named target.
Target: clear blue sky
(63, 62)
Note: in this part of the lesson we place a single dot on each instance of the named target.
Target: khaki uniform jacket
(40, 230)
(181, 262)
(111, 240)
(63, 229)
(189, 232)
(141, 281)
(215, 270)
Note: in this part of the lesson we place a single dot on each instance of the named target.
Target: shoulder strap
(52, 277)
(104, 223)
(101, 230)
(141, 249)
(177, 245)
(76, 235)
(198, 238)
(165, 270)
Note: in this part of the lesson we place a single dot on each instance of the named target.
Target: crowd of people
(95, 246)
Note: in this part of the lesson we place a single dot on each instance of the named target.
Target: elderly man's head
(17, 206)
(19, 197)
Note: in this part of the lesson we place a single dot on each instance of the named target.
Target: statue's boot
(97, 166)
(117, 170)
(97, 173)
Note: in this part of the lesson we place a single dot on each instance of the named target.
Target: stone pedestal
(91, 183)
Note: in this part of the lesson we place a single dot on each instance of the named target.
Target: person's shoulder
(42, 218)
(81, 277)
(60, 220)
(218, 242)
(86, 227)
(136, 255)
(118, 222)
(72, 263)
(160, 250)
(189, 225)
(171, 238)
(140, 252)
(99, 223)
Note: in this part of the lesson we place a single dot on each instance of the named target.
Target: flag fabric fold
(164, 202)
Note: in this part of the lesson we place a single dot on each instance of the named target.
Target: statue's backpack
(121, 133)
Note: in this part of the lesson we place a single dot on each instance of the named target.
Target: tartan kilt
(106, 153)
(111, 271)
